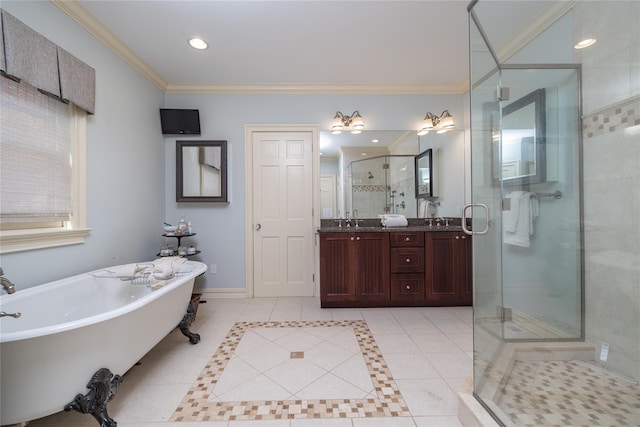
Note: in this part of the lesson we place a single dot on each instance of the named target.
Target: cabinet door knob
(353, 238)
(358, 238)
(408, 260)
(407, 239)
(408, 287)
(457, 237)
(463, 237)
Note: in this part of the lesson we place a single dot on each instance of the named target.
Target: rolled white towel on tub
(166, 268)
(394, 220)
(128, 271)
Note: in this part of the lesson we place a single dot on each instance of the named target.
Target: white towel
(528, 210)
(394, 220)
(128, 271)
(510, 217)
(166, 268)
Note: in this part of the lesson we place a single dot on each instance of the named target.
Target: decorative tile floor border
(388, 403)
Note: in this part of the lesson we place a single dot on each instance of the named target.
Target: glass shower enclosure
(526, 219)
(380, 185)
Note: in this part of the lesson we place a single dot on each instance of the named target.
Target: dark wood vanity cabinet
(395, 268)
(354, 269)
(448, 269)
(407, 268)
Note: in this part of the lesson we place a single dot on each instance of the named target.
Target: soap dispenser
(182, 226)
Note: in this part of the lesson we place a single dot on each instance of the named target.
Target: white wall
(125, 172)
(451, 168)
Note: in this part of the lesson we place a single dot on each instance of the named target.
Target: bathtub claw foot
(103, 387)
(186, 322)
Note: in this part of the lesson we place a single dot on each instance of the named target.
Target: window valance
(27, 55)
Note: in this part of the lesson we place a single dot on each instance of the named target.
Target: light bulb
(357, 123)
(585, 43)
(198, 43)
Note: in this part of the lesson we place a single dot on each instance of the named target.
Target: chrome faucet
(7, 285)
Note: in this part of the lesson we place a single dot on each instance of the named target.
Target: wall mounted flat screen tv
(180, 122)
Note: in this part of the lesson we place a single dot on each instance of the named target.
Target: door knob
(258, 227)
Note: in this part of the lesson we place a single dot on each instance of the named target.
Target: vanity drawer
(406, 238)
(407, 260)
(408, 287)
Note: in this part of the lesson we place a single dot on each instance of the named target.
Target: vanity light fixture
(198, 43)
(585, 43)
(441, 123)
(341, 122)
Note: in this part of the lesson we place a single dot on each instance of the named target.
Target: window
(42, 172)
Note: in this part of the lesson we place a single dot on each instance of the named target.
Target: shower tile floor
(568, 393)
(285, 362)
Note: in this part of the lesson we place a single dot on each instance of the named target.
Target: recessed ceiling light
(198, 43)
(585, 43)
(364, 154)
(375, 140)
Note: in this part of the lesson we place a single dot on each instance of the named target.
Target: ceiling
(413, 43)
(300, 46)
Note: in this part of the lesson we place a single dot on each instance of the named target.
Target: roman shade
(34, 59)
(77, 81)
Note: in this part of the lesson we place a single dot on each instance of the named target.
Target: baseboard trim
(222, 292)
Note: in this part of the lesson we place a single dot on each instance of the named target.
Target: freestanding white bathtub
(71, 328)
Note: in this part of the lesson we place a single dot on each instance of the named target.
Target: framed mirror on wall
(201, 171)
(426, 165)
(522, 158)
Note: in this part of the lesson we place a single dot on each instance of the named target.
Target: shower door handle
(464, 219)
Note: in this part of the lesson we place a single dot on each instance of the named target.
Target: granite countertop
(374, 226)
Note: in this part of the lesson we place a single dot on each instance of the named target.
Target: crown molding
(318, 88)
(102, 33)
(79, 14)
(542, 22)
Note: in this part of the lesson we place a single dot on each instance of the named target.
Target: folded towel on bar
(510, 216)
(528, 209)
(393, 220)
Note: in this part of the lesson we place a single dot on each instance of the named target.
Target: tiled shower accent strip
(612, 119)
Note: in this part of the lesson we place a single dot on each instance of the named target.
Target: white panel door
(328, 196)
(282, 213)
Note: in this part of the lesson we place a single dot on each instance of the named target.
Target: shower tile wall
(403, 183)
(611, 144)
(369, 187)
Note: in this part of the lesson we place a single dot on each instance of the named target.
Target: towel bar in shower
(555, 194)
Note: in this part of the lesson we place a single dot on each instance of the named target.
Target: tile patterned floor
(412, 363)
(566, 393)
(385, 402)
(426, 352)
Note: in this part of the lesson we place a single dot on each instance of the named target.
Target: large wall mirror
(372, 173)
(201, 171)
(522, 158)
